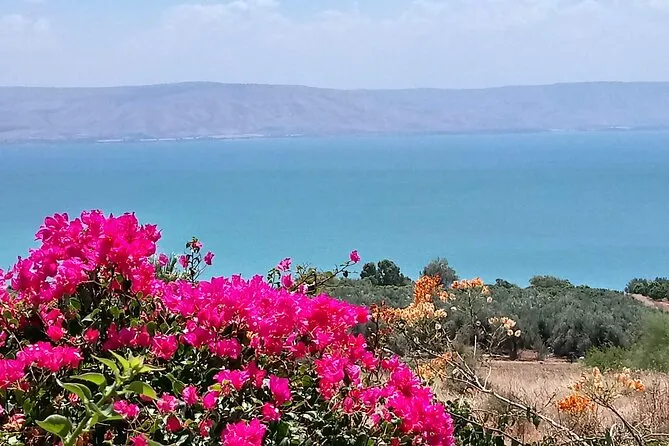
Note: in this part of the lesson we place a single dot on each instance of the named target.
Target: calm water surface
(593, 208)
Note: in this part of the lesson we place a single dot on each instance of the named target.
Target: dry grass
(541, 384)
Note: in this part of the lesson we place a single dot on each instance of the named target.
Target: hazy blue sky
(343, 43)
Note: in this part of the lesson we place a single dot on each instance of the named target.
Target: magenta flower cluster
(247, 324)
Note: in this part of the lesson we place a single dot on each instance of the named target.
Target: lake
(590, 207)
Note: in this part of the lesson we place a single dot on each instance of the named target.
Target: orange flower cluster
(475, 283)
(507, 324)
(435, 368)
(605, 389)
(628, 382)
(422, 307)
(575, 404)
(426, 288)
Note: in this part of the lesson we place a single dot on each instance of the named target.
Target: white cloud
(441, 43)
(20, 23)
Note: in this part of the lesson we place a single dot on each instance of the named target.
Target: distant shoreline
(211, 111)
(170, 139)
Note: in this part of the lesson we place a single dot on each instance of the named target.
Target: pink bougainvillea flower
(280, 388)
(270, 412)
(284, 265)
(125, 409)
(183, 261)
(172, 424)
(210, 399)
(190, 396)
(163, 260)
(354, 256)
(236, 378)
(205, 427)
(208, 258)
(348, 404)
(244, 434)
(55, 333)
(91, 335)
(164, 346)
(139, 440)
(167, 403)
(287, 281)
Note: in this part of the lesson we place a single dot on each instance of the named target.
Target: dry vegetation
(541, 384)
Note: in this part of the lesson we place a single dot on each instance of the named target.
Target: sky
(333, 43)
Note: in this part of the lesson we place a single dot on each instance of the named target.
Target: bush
(384, 273)
(549, 282)
(614, 358)
(102, 343)
(657, 289)
(364, 292)
(649, 352)
(637, 286)
(440, 267)
(570, 320)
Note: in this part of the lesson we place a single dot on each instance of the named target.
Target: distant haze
(202, 110)
(333, 43)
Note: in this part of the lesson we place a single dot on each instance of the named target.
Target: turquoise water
(593, 208)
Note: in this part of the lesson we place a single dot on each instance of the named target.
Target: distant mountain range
(211, 110)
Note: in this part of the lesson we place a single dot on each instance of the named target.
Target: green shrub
(384, 273)
(440, 267)
(657, 289)
(649, 352)
(614, 358)
(570, 320)
(549, 282)
(652, 350)
(365, 292)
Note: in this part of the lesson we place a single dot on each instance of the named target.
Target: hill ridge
(211, 109)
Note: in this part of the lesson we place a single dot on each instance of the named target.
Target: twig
(491, 429)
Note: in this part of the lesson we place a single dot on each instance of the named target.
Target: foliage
(613, 358)
(364, 292)
(570, 320)
(384, 273)
(657, 289)
(439, 267)
(649, 352)
(104, 343)
(549, 282)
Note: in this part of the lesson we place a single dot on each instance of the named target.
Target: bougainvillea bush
(106, 342)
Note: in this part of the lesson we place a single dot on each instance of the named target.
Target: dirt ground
(541, 384)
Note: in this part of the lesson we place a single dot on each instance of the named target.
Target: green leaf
(136, 362)
(149, 368)
(80, 390)
(109, 363)
(142, 389)
(106, 414)
(56, 424)
(95, 378)
(28, 406)
(94, 419)
(151, 328)
(90, 317)
(125, 364)
(177, 386)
